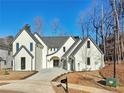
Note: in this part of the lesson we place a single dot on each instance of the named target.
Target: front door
(22, 63)
(65, 64)
(55, 63)
(72, 65)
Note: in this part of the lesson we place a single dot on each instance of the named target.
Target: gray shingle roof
(3, 44)
(4, 47)
(75, 43)
(55, 42)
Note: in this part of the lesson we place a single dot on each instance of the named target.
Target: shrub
(6, 72)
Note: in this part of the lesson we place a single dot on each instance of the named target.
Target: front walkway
(38, 83)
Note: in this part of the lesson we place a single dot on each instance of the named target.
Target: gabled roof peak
(26, 27)
(28, 30)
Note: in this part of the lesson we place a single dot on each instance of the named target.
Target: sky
(14, 14)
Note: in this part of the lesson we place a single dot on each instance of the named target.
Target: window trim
(23, 68)
(31, 46)
(64, 49)
(17, 46)
(88, 61)
(5, 63)
(88, 44)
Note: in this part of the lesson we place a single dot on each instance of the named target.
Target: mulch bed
(16, 75)
(61, 90)
(9, 91)
(86, 79)
(107, 72)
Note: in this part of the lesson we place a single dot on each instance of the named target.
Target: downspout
(67, 61)
(35, 57)
(14, 64)
(46, 59)
(31, 63)
(74, 64)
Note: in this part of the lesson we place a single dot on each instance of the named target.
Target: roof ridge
(55, 36)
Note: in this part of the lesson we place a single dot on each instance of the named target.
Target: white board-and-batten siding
(44, 52)
(96, 57)
(24, 39)
(60, 53)
(28, 60)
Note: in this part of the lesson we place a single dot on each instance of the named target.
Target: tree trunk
(82, 29)
(116, 29)
(96, 35)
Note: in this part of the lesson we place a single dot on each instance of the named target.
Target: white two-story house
(35, 52)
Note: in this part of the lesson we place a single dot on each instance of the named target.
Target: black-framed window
(64, 49)
(54, 49)
(17, 46)
(31, 46)
(11, 63)
(88, 60)
(23, 62)
(5, 62)
(88, 44)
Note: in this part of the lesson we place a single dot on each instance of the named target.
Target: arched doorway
(55, 61)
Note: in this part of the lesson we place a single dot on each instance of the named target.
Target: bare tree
(96, 24)
(81, 24)
(102, 29)
(62, 32)
(116, 30)
(38, 25)
(121, 16)
(55, 26)
(85, 25)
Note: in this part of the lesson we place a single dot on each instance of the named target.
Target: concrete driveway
(38, 83)
(47, 74)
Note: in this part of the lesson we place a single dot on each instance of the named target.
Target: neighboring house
(5, 55)
(110, 48)
(27, 51)
(6, 59)
(67, 52)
